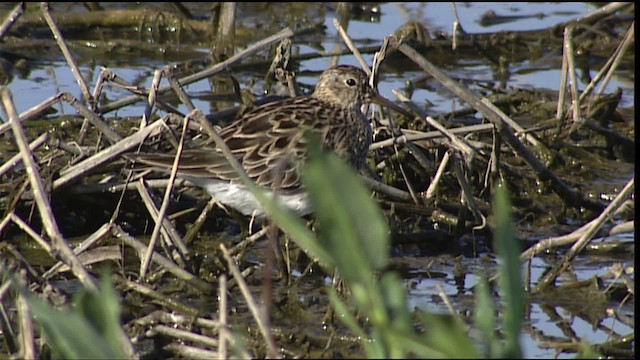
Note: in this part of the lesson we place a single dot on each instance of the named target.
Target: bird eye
(350, 82)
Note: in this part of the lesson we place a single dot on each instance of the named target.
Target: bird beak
(383, 101)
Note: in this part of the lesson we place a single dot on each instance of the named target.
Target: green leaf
(353, 228)
(102, 310)
(586, 351)
(292, 225)
(485, 319)
(510, 278)
(412, 346)
(69, 334)
(343, 313)
(447, 335)
(395, 301)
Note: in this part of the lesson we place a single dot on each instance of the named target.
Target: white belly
(238, 197)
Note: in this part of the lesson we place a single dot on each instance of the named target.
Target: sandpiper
(269, 142)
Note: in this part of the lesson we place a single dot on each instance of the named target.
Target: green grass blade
(292, 225)
(352, 226)
(102, 310)
(510, 278)
(70, 334)
(485, 320)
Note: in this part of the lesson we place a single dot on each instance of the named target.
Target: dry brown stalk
(559, 186)
(11, 19)
(256, 311)
(73, 173)
(26, 329)
(590, 231)
(162, 261)
(214, 69)
(44, 207)
(165, 202)
(16, 159)
(168, 230)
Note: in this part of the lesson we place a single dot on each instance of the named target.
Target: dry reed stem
(86, 244)
(601, 12)
(33, 112)
(167, 71)
(168, 230)
(91, 116)
(519, 130)
(237, 249)
(165, 201)
(396, 131)
(447, 302)
(383, 188)
(558, 185)
(170, 235)
(433, 186)
(67, 54)
(163, 299)
(413, 135)
(256, 311)
(607, 68)
(34, 235)
(159, 316)
(625, 227)
(590, 231)
(467, 198)
(95, 255)
(157, 75)
(412, 192)
(571, 238)
(190, 352)
(457, 25)
(4, 289)
(562, 91)
(104, 75)
(11, 18)
(553, 242)
(400, 135)
(214, 69)
(179, 272)
(457, 143)
(462, 145)
(354, 50)
(5, 222)
(17, 158)
(573, 80)
(226, 31)
(60, 245)
(26, 338)
(113, 187)
(195, 227)
(183, 335)
(378, 58)
(223, 332)
(617, 57)
(73, 173)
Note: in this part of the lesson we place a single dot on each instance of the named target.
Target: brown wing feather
(266, 140)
